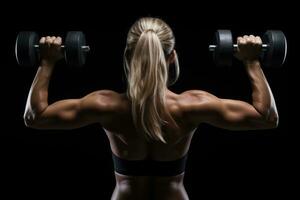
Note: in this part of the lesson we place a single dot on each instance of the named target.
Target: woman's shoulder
(108, 95)
(108, 98)
(189, 100)
(189, 96)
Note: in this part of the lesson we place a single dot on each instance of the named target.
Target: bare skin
(189, 109)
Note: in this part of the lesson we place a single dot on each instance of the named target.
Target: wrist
(47, 63)
(249, 63)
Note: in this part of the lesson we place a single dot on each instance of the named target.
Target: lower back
(149, 188)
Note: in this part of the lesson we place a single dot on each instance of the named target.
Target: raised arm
(65, 114)
(234, 114)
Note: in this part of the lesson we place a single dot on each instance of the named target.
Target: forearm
(262, 97)
(37, 100)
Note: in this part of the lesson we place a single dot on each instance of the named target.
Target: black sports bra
(149, 167)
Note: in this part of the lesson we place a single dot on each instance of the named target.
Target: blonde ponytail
(149, 41)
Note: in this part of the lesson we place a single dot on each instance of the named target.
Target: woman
(150, 127)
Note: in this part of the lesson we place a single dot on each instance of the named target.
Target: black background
(77, 162)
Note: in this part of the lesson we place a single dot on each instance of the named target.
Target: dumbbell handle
(235, 46)
(84, 48)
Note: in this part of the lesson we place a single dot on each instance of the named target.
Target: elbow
(269, 117)
(273, 118)
(32, 115)
(29, 123)
(272, 121)
(29, 120)
(275, 122)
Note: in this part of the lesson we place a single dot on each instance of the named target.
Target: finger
(242, 41)
(57, 41)
(238, 39)
(258, 40)
(42, 40)
(48, 40)
(52, 39)
(248, 39)
(252, 38)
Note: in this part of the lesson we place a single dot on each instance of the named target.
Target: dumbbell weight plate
(277, 48)
(224, 48)
(74, 54)
(25, 51)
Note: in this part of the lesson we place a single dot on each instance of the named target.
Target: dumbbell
(27, 48)
(274, 48)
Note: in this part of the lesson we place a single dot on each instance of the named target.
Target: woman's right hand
(50, 49)
(249, 48)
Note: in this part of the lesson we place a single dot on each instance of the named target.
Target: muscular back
(127, 143)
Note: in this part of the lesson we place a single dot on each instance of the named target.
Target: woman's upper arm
(203, 107)
(75, 113)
